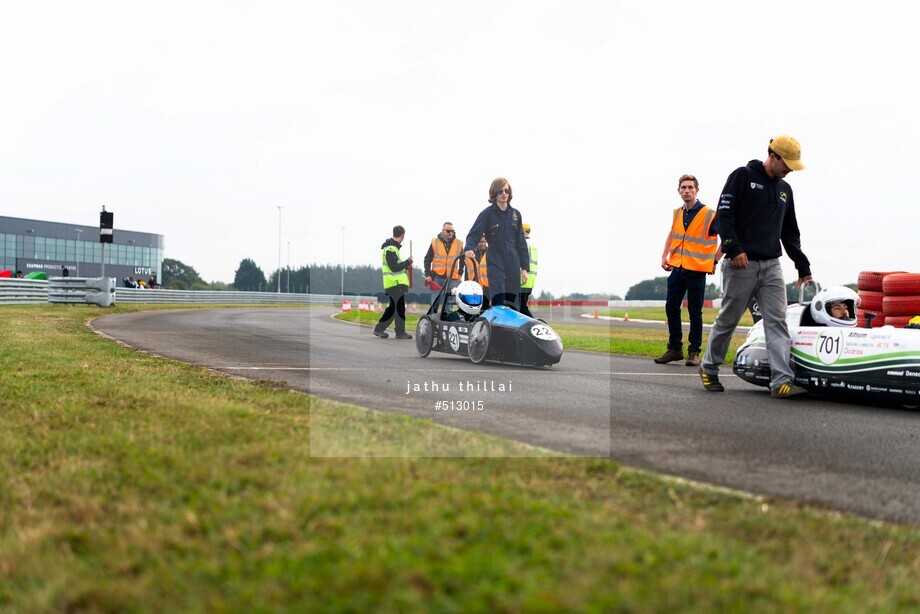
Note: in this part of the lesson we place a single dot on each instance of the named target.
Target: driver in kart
(835, 306)
(467, 302)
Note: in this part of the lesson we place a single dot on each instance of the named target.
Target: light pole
(79, 231)
(343, 261)
(289, 268)
(279, 248)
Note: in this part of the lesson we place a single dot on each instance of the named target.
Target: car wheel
(901, 305)
(479, 340)
(424, 336)
(900, 284)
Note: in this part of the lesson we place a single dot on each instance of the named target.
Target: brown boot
(670, 356)
(693, 359)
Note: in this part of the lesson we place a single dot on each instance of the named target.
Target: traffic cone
(414, 307)
(346, 306)
(595, 313)
(626, 317)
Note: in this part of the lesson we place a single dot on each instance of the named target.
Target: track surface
(846, 456)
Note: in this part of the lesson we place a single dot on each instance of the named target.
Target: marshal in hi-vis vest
(532, 273)
(390, 278)
(483, 271)
(442, 259)
(693, 249)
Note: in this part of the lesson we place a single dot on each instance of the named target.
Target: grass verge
(132, 483)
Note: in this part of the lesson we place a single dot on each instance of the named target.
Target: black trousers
(525, 296)
(693, 284)
(396, 310)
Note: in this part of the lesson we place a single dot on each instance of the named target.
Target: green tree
(249, 277)
(649, 290)
(179, 276)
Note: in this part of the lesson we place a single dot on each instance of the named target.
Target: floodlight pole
(79, 231)
(279, 248)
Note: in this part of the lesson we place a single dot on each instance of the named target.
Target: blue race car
(455, 324)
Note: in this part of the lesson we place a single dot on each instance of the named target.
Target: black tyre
(424, 336)
(480, 339)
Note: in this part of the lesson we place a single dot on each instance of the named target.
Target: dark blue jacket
(507, 253)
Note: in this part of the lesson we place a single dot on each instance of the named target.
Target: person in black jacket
(756, 214)
(395, 284)
(508, 261)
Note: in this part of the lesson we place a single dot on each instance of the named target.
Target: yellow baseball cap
(789, 150)
(526, 227)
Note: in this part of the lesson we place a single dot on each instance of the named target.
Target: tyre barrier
(901, 305)
(871, 300)
(897, 321)
(878, 321)
(873, 280)
(901, 284)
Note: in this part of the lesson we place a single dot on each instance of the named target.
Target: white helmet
(821, 304)
(469, 297)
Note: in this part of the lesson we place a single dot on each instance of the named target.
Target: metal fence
(22, 291)
(30, 291)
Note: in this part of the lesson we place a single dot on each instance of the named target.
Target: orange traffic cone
(595, 313)
(626, 317)
(346, 305)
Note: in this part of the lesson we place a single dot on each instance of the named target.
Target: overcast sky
(196, 120)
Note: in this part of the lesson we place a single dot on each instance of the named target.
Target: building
(34, 245)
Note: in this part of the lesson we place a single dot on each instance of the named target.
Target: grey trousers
(763, 279)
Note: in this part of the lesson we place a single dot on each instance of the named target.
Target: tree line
(312, 279)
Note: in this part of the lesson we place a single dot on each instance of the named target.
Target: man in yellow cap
(527, 284)
(756, 215)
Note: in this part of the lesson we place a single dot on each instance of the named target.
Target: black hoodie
(756, 214)
(392, 259)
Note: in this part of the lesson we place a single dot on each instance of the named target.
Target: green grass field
(133, 483)
(657, 313)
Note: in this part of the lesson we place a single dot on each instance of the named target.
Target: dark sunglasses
(450, 231)
(504, 191)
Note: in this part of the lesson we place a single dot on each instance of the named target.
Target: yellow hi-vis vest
(532, 273)
(391, 278)
(693, 249)
(483, 271)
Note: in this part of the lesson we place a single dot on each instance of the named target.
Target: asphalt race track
(844, 456)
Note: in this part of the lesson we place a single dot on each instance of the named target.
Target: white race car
(831, 356)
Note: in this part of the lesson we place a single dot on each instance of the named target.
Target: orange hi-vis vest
(483, 272)
(442, 258)
(693, 249)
